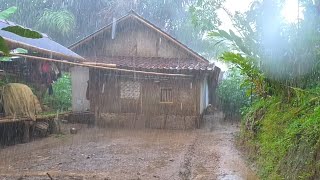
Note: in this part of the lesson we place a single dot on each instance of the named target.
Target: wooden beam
(38, 117)
(98, 66)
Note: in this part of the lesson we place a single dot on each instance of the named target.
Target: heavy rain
(159, 89)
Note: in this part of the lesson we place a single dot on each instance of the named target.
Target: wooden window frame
(168, 99)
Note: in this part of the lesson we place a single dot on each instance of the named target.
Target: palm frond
(60, 22)
(4, 15)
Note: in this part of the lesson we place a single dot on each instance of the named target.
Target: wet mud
(206, 153)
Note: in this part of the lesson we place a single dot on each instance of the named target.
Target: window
(129, 90)
(166, 95)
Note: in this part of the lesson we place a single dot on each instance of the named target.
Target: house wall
(79, 78)
(213, 81)
(204, 94)
(141, 106)
(131, 39)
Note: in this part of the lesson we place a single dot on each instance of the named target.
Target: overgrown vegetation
(234, 94)
(281, 129)
(284, 137)
(61, 98)
(4, 15)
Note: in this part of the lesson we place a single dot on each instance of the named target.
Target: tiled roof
(154, 63)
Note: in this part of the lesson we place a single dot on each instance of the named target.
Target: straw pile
(19, 101)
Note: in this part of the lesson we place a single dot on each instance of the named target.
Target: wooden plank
(11, 120)
(38, 117)
(26, 132)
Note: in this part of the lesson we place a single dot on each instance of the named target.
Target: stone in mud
(73, 130)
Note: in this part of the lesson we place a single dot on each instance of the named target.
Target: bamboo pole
(100, 64)
(97, 66)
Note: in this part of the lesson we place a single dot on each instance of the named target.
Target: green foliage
(61, 22)
(234, 94)
(286, 136)
(276, 52)
(171, 16)
(14, 29)
(232, 37)
(23, 32)
(246, 65)
(248, 68)
(282, 52)
(61, 98)
(246, 59)
(4, 15)
(281, 129)
(204, 14)
(3, 47)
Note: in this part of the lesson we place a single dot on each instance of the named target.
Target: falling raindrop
(114, 26)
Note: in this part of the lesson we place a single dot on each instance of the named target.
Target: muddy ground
(206, 153)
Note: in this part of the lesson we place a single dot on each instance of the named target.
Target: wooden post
(165, 121)
(96, 116)
(198, 118)
(26, 132)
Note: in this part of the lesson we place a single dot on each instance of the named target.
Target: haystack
(19, 101)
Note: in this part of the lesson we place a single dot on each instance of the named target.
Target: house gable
(134, 37)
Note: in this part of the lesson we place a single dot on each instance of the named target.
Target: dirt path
(207, 153)
(219, 137)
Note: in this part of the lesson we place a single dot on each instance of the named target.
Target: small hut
(150, 78)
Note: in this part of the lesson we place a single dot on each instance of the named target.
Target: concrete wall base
(141, 121)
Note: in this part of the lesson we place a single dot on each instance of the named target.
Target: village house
(150, 78)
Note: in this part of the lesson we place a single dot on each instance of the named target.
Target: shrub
(61, 98)
(233, 93)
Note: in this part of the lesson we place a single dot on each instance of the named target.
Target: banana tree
(21, 31)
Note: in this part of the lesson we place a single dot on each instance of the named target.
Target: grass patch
(283, 137)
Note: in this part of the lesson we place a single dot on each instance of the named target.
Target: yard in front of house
(93, 153)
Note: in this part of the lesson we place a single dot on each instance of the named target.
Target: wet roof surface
(43, 44)
(154, 63)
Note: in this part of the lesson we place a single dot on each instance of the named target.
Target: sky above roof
(289, 12)
(232, 6)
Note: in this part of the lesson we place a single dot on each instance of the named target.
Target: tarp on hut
(19, 101)
(43, 45)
